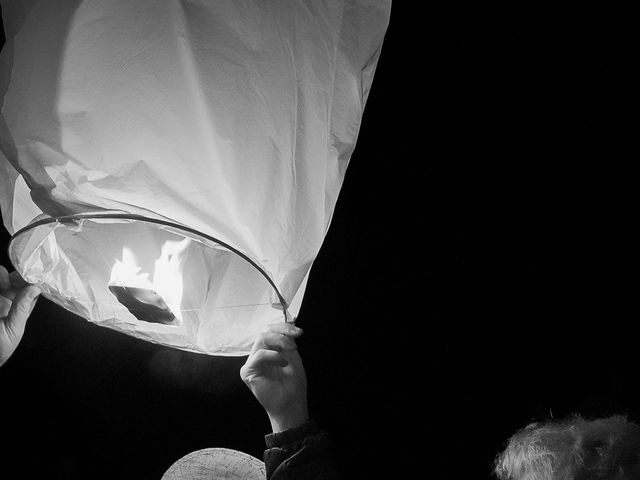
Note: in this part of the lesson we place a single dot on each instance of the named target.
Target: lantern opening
(150, 278)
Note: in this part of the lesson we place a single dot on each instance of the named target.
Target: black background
(478, 274)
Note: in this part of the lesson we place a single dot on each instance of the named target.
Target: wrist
(288, 419)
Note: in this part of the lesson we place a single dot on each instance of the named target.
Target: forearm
(293, 417)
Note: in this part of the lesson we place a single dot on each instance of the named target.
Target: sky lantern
(170, 169)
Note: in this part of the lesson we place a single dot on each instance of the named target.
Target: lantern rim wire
(68, 219)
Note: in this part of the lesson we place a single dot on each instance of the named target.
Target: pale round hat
(216, 464)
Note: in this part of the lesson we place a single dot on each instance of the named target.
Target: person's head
(573, 449)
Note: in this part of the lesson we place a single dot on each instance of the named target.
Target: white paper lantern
(169, 169)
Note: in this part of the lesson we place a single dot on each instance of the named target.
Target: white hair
(573, 449)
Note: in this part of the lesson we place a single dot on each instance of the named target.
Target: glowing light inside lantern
(167, 275)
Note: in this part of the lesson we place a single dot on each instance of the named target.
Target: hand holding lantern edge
(17, 300)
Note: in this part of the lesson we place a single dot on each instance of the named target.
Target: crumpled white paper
(235, 118)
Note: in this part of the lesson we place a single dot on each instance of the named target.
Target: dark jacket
(303, 452)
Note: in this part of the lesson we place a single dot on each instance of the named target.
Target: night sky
(478, 273)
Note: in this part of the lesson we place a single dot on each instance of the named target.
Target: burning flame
(167, 275)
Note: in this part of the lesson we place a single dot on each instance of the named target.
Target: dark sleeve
(300, 453)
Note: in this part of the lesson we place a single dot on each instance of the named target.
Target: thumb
(21, 308)
(259, 362)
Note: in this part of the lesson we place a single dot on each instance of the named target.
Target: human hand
(275, 375)
(17, 299)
